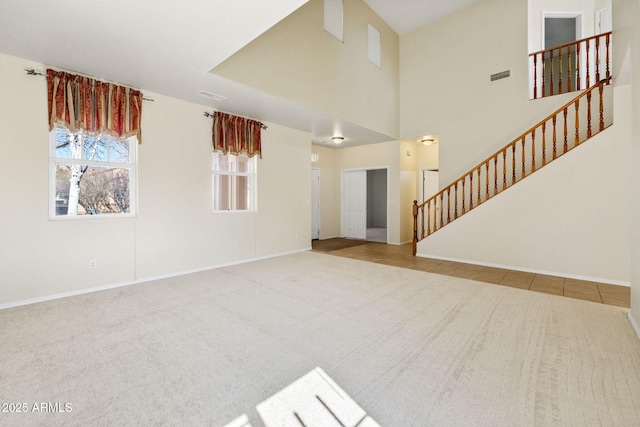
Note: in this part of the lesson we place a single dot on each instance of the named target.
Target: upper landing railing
(571, 67)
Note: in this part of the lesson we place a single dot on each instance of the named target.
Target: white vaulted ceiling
(405, 16)
(169, 47)
(164, 46)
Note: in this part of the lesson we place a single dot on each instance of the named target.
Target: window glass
(119, 151)
(333, 18)
(91, 175)
(233, 183)
(374, 46)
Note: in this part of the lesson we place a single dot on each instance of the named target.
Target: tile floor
(400, 256)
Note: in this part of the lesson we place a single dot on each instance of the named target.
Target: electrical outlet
(92, 263)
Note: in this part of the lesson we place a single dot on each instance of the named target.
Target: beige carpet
(411, 348)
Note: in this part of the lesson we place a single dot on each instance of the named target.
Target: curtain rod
(207, 114)
(32, 72)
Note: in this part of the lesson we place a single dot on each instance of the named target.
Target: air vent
(210, 95)
(501, 75)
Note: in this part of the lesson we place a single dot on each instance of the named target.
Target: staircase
(586, 115)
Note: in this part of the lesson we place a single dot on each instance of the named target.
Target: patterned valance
(80, 103)
(236, 135)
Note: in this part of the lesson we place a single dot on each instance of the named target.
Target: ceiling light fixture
(337, 139)
(428, 141)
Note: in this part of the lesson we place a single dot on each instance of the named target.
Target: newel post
(415, 226)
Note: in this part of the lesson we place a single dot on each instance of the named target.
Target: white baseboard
(530, 270)
(634, 324)
(137, 281)
(398, 243)
(65, 294)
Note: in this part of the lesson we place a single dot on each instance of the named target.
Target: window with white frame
(91, 175)
(374, 53)
(233, 182)
(334, 18)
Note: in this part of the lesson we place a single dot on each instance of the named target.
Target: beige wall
(445, 86)
(329, 191)
(428, 156)
(174, 230)
(561, 230)
(409, 167)
(571, 218)
(626, 17)
(299, 61)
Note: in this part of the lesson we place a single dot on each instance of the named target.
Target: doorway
(365, 204)
(377, 205)
(560, 67)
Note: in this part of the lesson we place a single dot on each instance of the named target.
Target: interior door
(354, 204)
(315, 204)
(603, 20)
(429, 183)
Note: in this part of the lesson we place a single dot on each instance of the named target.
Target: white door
(603, 20)
(354, 204)
(429, 183)
(315, 203)
(603, 25)
(430, 189)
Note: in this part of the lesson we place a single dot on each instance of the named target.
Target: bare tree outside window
(119, 187)
(93, 174)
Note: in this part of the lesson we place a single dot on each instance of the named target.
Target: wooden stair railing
(566, 128)
(571, 67)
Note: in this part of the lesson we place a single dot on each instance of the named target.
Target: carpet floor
(411, 348)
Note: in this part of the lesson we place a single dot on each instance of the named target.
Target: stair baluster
(434, 207)
(553, 72)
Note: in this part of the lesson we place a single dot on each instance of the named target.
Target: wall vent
(210, 95)
(501, 75)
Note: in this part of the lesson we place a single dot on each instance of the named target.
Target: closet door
(354, 204)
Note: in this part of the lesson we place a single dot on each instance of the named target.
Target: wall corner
(634, 324)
